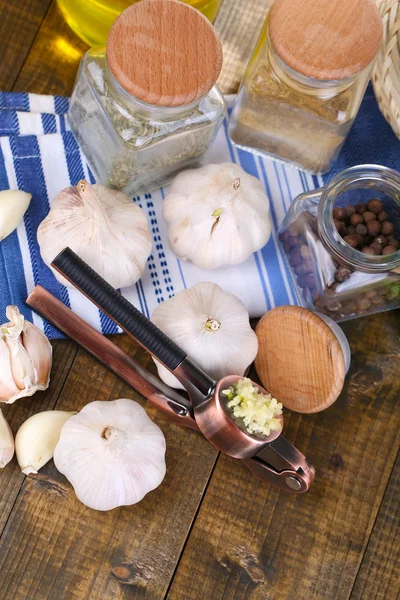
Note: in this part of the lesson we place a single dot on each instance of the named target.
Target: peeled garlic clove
(39, 350)
(6, 442)
(13, 206)
(8, 387)
(37, 437)
(112, 453)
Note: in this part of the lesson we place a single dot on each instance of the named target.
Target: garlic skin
(25, 358)
(104, 227)
(37, 437)
(216, 215)
(212, 327)
(112, 453)
(6, 442)
(13, 206)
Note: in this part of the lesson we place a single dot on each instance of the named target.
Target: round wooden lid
(326, 39)
(164, 52)
(299, 361)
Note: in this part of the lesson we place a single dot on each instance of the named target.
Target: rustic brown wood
(379, 575)
(154, 64)
(300, 360)
(11, 478)
(326, 39)
(54, 547)
(19, 23)
(250, 542)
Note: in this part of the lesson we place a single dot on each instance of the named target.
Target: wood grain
(165, 53)
(55, 548)
(300, 360)
(326, 40)
(250, 542)
(11, 478)
(19, 24)
(379, 575)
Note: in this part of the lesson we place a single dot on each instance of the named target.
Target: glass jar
(341, 243)
(136, 130)
(305, 81)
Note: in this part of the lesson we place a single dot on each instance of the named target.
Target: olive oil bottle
(92, 19)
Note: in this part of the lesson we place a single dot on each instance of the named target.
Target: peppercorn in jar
(342, 243)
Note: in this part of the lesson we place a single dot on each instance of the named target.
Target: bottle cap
(326, 39)
(164, 52)
(300, 361)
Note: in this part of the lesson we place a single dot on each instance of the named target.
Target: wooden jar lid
(164, 52)
(300, 360)
(326, 39)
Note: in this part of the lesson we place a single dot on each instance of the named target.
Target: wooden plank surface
(211, 531)
(250, 542)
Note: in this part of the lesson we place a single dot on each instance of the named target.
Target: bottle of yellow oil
(92, 19)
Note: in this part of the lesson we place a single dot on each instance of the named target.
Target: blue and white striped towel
(39, 154)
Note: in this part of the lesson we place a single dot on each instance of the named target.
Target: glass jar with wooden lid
(305, 80)
(146, 105)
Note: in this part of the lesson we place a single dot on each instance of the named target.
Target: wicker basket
(386, 73)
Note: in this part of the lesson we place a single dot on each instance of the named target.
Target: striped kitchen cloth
(40, 155)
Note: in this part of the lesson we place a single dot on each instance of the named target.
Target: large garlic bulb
(112, 453)
(104, 227)
(216, 215)
(25, 358)
(212, 327)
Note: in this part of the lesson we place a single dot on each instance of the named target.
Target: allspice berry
(375, 205)
(339, 214)
(368, 216)
(388, 250)
(369, 250)
(356, 219)
(383, 216)
(381, 240)
(387, 228)
(361, 229)
(374, 227)
(360, 208)
(342, 273)
(349, 210)
(354, 240)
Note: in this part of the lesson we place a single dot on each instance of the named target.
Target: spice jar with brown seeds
(305, 80)
(145, 106)
(342, 243)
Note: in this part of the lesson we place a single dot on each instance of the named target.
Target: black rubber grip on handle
(122, 312)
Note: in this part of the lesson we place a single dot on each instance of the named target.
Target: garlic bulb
(112, 454)
(212, 326)
(6, 442)
(13, 206)
(25, 358)
(103, 226)
(216, 215)
(37, 437)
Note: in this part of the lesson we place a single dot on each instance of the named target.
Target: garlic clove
(21, 365)
(37, 437)
(13, 206)
(7, 384)
(39, 351)
(6, 442)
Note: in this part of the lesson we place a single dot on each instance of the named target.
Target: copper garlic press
(272, 459)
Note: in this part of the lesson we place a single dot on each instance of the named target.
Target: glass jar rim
(339, 249)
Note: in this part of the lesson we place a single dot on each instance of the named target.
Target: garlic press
(270, 458)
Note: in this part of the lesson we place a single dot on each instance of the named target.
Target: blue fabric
(39, 154)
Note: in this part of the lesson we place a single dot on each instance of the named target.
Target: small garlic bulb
(216, 215)
(112, 453)
(13, 206)
(6, 442)
(104, 227)
(25, 358)
(212, 327)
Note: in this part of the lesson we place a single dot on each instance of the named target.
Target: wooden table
(211, 531)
